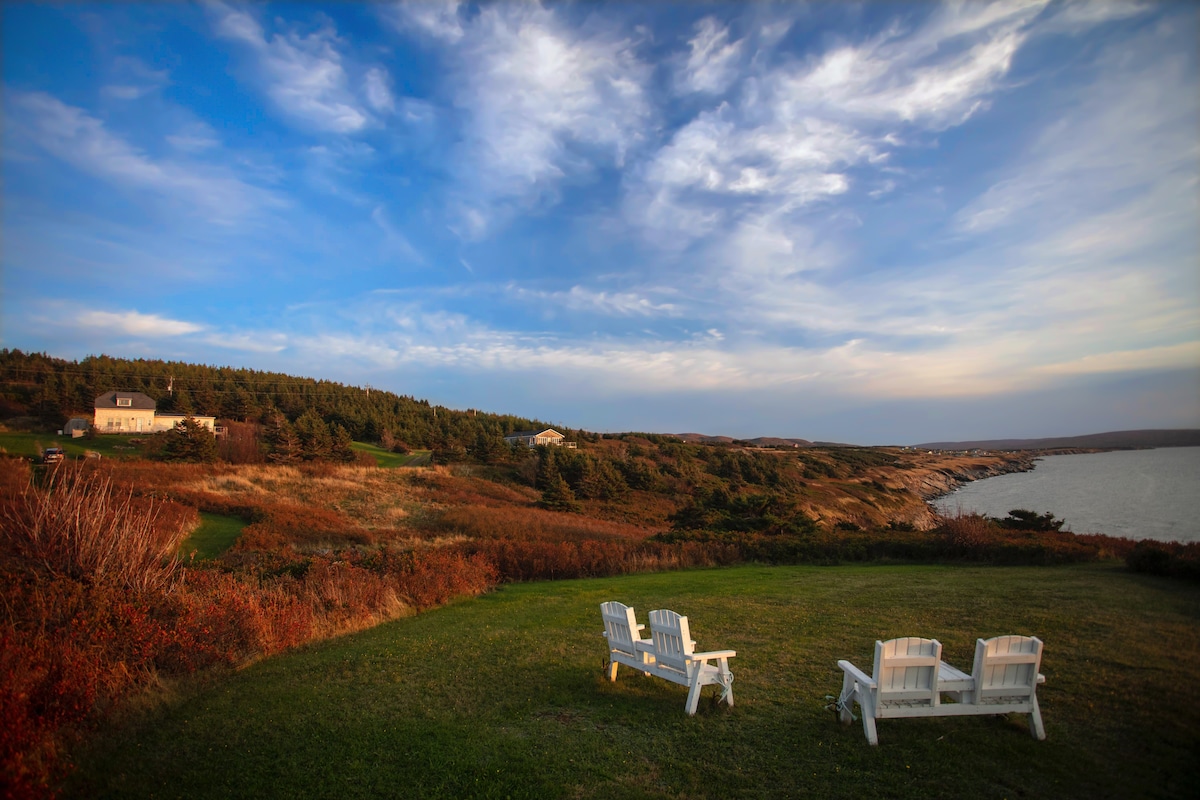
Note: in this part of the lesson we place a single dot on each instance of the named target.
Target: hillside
(40, 392)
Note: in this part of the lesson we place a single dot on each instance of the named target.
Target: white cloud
(716, 167)
(579, 298)
(76, 137)
(437, 18)
(712, 65)
(790, 136)
(543, 103)
(133, 323)
(303, 75)
(1075, 16)
(379, 91)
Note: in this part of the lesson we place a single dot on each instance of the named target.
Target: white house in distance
(549, 436)
(133, 412)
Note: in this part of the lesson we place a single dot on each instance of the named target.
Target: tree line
(49, 391)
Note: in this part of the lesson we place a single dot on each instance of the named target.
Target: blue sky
(870, 223)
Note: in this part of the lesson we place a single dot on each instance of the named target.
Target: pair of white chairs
(910, 680)
(669, 653)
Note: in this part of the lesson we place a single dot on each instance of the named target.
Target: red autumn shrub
(288, 525)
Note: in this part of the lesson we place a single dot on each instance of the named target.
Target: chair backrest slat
(620, 626)
(672, 639)
(1006, 667)
(906, 670)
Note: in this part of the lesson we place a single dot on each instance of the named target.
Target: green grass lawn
(27, 444)
(503, 696)
(387, 459)
(216, 534)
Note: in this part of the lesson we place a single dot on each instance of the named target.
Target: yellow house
(549, 436)
(133, 412)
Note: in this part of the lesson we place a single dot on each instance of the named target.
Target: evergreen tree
(190, 441)
(342, 449)
(558, 496)
(283, 445)
(315, 441)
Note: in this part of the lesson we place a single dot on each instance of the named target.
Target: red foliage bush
(285, 525)
(509, 523)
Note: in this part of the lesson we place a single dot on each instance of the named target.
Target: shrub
(1170, 559)
(81, 527)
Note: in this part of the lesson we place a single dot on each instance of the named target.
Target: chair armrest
(857, 674)
(1041, 678)
(711, 655)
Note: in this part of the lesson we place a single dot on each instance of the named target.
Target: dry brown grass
(80, 525)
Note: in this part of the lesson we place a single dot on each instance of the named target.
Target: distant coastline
(1114, 440)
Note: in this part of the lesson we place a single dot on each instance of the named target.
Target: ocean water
(1139, 494)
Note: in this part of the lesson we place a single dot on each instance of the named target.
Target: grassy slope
(216, 534)
(503, 697)
(387, 459)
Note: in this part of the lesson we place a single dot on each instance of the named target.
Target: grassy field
(503, 696)
(387, 459)
(29, 444)
(216, 534)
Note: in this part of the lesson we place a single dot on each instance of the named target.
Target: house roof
(136, 400)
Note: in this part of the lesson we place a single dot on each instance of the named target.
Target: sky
(872, 223)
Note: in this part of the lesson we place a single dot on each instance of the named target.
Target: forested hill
(52, 390)
(1114, 440)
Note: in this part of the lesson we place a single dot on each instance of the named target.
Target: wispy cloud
(713, 61)
(259, 342)
(302, 74)
(579, 298)
(80, 139)
(437, 18)
(792, 132)
(543, 103)
(395, 242)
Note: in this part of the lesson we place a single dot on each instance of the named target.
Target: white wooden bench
(909, 678)
(668, 654)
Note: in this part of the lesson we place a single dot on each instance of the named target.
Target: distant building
(134, 412)
(549, 436)
(76, 427)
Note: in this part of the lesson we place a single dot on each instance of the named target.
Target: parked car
(53, 455)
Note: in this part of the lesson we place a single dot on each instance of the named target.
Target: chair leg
(612, 671)
(868, 712)
(846, 700)
(1035, 721)
(693, 698)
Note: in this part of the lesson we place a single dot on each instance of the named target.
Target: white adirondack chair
(675, 659)
(625, 643)
(910, 677)
(904, 683)
(1005, 678)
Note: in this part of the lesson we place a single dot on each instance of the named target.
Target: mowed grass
(503, 696)
(216, 534)
(31, 444)
(388, 459)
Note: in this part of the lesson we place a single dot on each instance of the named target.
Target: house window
(125, 401)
